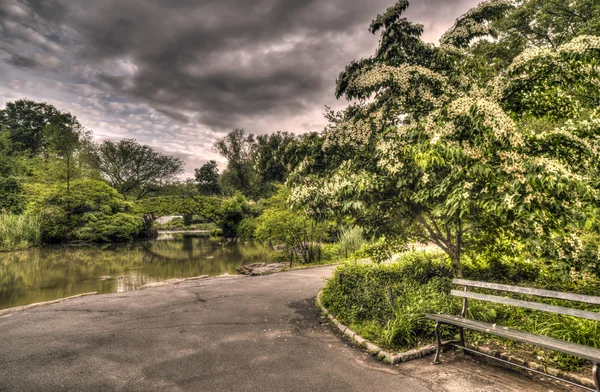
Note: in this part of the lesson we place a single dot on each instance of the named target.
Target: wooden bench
(589, 353)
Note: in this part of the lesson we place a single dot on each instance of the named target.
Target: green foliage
(301, 235)
(134, 169)
(204, 206)
(11, 190)
(56, 226)
(34, 125)
(442, 147)
(240, 174)
(207, 178)
(273, 156)
(102, 227)
(351, 239)
(246, 228)
(358, 294)
(90, 211)
(233, 211)
(256, 164)
(19, 231)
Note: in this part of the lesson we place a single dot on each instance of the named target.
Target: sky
(178, 74)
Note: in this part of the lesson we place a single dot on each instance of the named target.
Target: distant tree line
(254, 164)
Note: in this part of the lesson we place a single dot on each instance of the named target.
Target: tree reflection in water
(47, 273)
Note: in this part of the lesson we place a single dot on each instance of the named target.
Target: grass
(351, 239)
(386, 303)
(19, 232)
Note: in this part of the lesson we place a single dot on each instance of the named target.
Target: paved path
(232, 333)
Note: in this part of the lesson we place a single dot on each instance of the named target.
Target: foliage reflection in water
(47, 273)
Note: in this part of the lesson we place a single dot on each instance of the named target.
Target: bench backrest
(588, 299)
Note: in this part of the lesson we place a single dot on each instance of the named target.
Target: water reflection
(48, 273)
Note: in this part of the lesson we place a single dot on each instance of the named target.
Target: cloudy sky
(177, 74)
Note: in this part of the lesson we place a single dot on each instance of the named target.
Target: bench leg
(596, 376)
(438, 337)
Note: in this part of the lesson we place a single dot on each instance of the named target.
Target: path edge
(38, 304)
(372, 348)
(391, 358)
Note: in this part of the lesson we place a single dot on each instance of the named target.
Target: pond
(48, 273)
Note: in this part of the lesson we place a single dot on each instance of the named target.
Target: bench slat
(527, 304)
(588, 299)
(590, 353)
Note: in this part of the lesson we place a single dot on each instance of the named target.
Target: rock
(246, 269)
(262, 268)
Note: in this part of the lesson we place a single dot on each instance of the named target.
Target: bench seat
(585, 352)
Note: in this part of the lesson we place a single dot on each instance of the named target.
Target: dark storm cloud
(218, 63)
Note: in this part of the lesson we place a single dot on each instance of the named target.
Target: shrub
(359, 293)
(247, 228)
(90, 211)
(232, 212)
(100, 227)
(55, 226)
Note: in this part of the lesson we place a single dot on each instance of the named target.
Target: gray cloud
(207, 65)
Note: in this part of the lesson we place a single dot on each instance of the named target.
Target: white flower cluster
(581, 45)
(354, 132)
(389, 160)
(472, 24)
(492, 115)
(409, 82)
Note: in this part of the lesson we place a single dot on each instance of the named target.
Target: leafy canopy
(433, 151)
(134, 169)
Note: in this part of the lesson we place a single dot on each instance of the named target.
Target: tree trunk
(456, 265)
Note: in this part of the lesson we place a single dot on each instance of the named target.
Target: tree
(301, 235)
(240, 175)
(207, 178)
(271, 156)
(434, 152)
(11, 192)
(27, 122)
(64, 139)
(134, 169)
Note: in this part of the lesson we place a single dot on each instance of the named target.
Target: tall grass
(351, 239)
(19, 231)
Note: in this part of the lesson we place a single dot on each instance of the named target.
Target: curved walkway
(233, 333)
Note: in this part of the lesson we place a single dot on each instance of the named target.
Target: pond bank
(53, 272)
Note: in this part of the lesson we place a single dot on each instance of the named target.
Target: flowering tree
(433, 151)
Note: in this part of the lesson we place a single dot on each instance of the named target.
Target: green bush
(56, 225)
(90, 211)
(233, 211)
(359, 295)
(100, 227)
(247, 228)
(420, 282)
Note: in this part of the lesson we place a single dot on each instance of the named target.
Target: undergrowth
(386, 303)
(19, 231)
